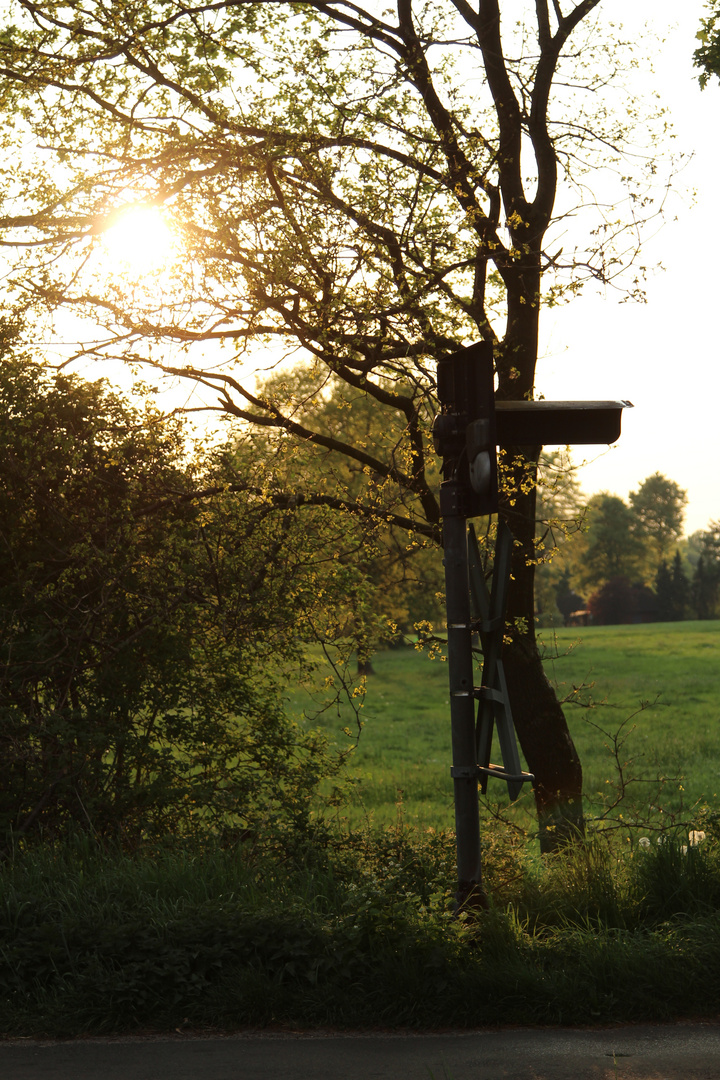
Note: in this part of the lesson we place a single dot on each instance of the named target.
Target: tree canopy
(613, 548)
(373, 206)
(707, 54)
(659, 507)
(705, 589)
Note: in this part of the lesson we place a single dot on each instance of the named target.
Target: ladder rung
(501, 773)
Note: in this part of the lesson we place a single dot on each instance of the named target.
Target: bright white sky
(663, 356)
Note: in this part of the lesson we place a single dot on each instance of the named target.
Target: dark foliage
(672, 590)
(707, 55)
(705, 586)
(566, 599)
(619, 601)
(354, 931)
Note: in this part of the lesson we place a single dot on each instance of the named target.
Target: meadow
(644, 699)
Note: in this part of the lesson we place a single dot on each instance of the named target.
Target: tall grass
(354, 929)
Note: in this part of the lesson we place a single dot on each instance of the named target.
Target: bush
(141, 627)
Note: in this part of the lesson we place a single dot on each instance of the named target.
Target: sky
(664, 355)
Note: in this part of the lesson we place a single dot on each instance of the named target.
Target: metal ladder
(488, 614)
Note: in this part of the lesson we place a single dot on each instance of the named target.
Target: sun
(139, 241)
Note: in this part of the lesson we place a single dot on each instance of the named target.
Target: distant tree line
(608, 561)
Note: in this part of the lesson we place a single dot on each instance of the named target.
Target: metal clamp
(464, 772)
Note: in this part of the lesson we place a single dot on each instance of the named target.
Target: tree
(680, 589)
(704, 590)
(707, 55)
(664, 592)
(560, 515)
(705, 587)
(372, 188)
(612, 548)
(659, 506)
(672, 590)
(400, 566)
(143, 626)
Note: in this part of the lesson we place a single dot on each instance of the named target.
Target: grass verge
(354, 929)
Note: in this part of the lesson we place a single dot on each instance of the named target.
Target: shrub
(141, 627)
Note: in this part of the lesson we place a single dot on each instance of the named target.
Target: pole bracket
(464, 772)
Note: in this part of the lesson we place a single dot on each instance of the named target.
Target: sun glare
(140, 241)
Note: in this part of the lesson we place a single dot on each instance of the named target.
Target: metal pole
(462, 698)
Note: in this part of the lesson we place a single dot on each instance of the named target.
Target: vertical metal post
(462, 697)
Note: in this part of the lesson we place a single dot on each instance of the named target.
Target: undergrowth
(355, 929)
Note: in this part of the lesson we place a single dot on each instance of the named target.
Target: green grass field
(665, 677)
(659, 685)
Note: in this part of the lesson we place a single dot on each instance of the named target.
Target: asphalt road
(644, 1052)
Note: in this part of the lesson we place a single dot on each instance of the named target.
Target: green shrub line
(354, 929)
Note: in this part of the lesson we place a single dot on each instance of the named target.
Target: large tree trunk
(539, 720)
(546, 744)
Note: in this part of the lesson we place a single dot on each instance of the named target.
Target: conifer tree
(704, 589)
(680, 589)
(664, 593)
